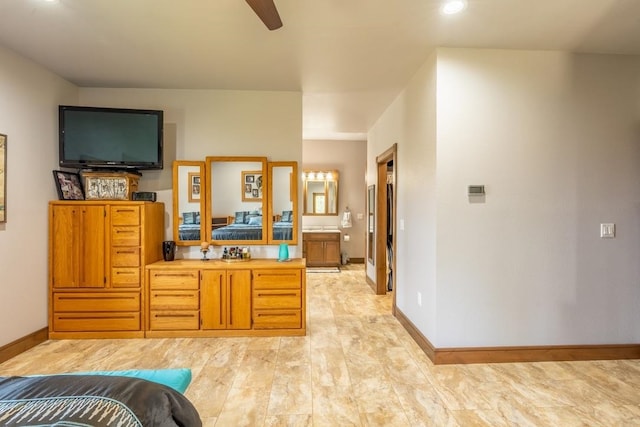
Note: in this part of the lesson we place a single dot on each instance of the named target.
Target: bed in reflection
(246, 225)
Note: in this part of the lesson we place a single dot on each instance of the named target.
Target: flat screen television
(113, 138)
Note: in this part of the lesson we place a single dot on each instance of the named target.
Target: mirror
(320, 192)
(283, 202)
(237, 193)
(188, 202)
(371, 209)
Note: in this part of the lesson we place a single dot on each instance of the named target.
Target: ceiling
(349, 58)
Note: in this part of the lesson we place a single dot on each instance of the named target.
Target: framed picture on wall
(194, 187)
(3, 179)
(251, 186)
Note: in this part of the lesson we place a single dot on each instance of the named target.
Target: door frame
(381, 221)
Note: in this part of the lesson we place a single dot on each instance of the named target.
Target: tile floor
(357, 367)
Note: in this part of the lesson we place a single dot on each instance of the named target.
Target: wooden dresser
(194, 298)
(98, 251)
(321, 249)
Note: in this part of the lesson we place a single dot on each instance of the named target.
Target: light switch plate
(607, 231)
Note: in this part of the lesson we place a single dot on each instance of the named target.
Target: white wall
(349, 159)
(554, 137)
(410, 122)
(29, 117)
(201, 123)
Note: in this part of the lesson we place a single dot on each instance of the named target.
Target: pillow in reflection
(287, 216)
(255, 220)
(191, 218)
(241, 217)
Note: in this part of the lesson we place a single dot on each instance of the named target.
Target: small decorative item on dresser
(68, 185)
(283, 253)
(204, 248)
(168, 250)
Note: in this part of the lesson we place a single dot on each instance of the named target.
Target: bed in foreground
(92, 400)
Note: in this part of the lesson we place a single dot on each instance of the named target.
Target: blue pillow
(191, 218)
(178, 379)
(255, 220)
(287, 216)
(240, 217)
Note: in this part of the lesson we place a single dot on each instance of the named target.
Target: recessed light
(451, 7)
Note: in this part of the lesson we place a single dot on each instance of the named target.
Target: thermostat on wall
(476, 190)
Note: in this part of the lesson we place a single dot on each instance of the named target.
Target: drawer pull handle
(122, 316)
(125, 272)
(93, 298)
(173, 315)
(174, 275)
(278, 295)
(171, 295)
(125, 210)
(125, 231)
(277, 315)
(125, 252)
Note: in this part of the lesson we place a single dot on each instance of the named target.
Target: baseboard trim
(356, 260)
(447, 356)
(371, 283)
(23, 344)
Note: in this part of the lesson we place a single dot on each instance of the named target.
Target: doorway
(385, 247)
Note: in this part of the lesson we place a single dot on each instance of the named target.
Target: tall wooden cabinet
(321, 249)
(97, 254)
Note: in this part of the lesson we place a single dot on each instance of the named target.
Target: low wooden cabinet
(97, 254)
(259, 297)
(226, 299)
(321, 249)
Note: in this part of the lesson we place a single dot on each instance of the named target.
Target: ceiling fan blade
(267, 12)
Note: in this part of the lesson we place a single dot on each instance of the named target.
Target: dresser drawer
(174, 300)
(125, 277)
(79, 322)
(125, 215)
(277, 319)
(174, 279)
(277, 279)
(276, 298)
(94, 302)
(174, 320)
(123, 256)
(125, 236)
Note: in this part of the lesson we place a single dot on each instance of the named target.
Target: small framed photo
(251, 186)
(68, 185)
(194, 187)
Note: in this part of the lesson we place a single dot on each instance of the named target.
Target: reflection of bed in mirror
(189, 228)
(248, 226)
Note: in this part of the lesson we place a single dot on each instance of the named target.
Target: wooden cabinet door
(314, 252)
(225, 299)
(213, 296)
(78, 247)
(332, 253)
(239, 299)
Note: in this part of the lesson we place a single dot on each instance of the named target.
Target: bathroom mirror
(283, 202)
(320, 192)
(188, 202)
(237, 194)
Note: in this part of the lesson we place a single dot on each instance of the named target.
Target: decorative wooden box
(109, 185)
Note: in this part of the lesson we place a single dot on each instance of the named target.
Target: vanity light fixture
(451, 7)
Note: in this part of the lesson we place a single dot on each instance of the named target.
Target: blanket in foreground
(92, 400)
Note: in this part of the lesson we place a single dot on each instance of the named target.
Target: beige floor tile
(357, 366)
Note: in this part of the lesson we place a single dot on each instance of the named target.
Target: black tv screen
(115, 138)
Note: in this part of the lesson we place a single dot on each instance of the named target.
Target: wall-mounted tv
(114, 138)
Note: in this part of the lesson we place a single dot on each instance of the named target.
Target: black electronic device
(145, 196)
(113, 138)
